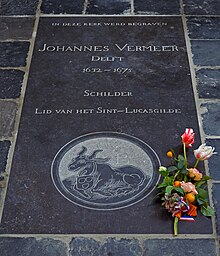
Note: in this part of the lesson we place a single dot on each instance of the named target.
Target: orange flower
(190, 197)
(177, 183)
(170, 154)
(194, 174)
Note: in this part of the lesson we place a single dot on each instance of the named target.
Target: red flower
(188, 137)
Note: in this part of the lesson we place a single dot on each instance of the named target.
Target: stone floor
(18, 27)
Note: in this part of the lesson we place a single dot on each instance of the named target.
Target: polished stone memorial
(106, 98)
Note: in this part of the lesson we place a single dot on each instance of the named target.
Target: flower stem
(197, 161)
(176, 226)
(176, 175)
(184, 152)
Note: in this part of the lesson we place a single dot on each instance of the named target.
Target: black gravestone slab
(106, 98)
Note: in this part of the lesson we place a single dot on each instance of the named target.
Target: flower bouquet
(183, 188)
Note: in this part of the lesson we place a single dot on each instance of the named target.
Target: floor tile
(4, 148)
(108, 7)
(7, 117)
(110, 246)
(10, 83)
(62, 6)
(13, 54)
(18, 7)
(32, 246)
(152, 7)
(216, 201)
(206, 53)
(198, 7)
(214, 161)
(16, 28)
(211, 118)
(203, 27)
(180, 247)
(208, 83)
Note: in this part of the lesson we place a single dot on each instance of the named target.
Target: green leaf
(200, 201)
(202, 193)
(207, 211)
(179, 190)
(166, 182)
(180, 158)
(169, 189)
(162, 185)
(181, 164)
(172, 168)
(199, 183)
(205, 178)
(169, 180)
(184, 171)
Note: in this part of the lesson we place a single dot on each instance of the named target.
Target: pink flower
(194, 174)
(188, 137)
(204, 152)
(188, 187)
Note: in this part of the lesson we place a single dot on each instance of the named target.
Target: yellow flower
(194, 174)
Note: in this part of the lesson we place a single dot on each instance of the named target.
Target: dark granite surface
(108, 7)
(160, 7)
(180, 247)
(205, 52)
(208, 83)
(159, 76)
(18, 7)
(215, 159)
(10, 83)
(216, 200)
(4, 148)
(13, 54)
(198, 7)
(32, 246)
(60, 6)
(211, 118)
(16, 28)
(203, 27)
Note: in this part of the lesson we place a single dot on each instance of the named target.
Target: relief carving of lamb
(94, 178)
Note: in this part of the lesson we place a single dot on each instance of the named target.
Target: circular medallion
(105, 170)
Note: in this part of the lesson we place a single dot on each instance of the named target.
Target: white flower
(204, 152)
(162, 169)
